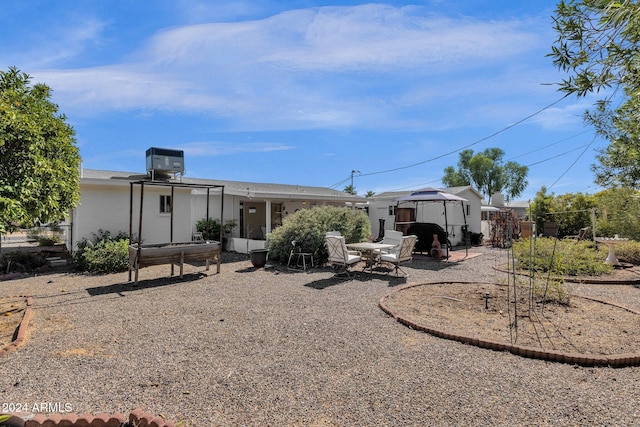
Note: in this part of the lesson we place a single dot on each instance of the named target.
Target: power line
(561, 154)
(572, 164)
(471, 144)
(551, 145)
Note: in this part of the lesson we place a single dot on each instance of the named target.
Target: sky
(308, 92)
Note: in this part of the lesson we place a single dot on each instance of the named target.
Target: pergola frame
(172, 185)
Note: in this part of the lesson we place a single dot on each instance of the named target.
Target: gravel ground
(273, 347)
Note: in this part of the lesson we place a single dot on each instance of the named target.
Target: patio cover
(437, 195)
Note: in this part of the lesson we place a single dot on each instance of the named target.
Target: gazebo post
(464, 217)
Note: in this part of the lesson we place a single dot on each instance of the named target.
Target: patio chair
(391, 237)
(298, 259)
(339, 256)
(402, 254)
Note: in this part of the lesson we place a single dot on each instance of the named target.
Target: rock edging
(21, 334)
(136, 418)
(614, 360)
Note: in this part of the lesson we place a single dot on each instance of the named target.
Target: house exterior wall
(100, 207)
(105, 199)
(106, 207)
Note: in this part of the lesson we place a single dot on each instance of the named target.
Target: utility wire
(532, 164)
(551, 145)
(471, 144)
(561, 154)
(572, 164)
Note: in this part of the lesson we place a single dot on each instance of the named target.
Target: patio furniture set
(394, 249)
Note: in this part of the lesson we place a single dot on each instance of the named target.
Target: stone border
(21, 335)
(613, 360)
(136, 418)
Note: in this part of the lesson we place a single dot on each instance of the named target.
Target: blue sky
(305, 92)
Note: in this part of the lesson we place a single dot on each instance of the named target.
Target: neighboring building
(385, 211)
(107, 202)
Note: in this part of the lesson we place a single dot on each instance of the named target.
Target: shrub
(563, 257)
(308, 227)
(20, 262)
(103, 254)
(210, 228)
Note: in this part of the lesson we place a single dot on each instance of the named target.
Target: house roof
(236, 188)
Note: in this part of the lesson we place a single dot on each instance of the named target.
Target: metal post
(130, 221)
(173, 202)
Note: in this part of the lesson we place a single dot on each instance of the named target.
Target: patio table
(369, 249)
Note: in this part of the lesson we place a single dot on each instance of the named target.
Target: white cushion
(351, 259)
(389, 257)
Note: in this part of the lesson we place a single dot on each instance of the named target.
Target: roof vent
(163, 162)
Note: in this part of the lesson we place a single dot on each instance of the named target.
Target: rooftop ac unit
(162, 161)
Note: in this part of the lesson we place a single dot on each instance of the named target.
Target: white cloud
(64, 41)
(361, 66)
(214, 148)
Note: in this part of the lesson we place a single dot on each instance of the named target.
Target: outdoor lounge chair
(402, 254)
(339, 256)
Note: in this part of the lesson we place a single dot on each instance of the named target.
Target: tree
(486, 172)
(618, 213)
(597, 46)
(370, 194)
(542, 208)
(39, 161)
(350, 189)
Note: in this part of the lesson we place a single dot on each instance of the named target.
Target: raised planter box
(174, 254)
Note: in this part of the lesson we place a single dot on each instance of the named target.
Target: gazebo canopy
(431, 195)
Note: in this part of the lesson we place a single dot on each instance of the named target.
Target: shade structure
(437, 195)
(430, 195)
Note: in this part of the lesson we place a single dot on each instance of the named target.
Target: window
(165, 204)
(392, 211)
(468, 210)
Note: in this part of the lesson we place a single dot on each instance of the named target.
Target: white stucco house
(111, 201)
(385, 211)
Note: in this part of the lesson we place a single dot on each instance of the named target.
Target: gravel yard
(273, 347)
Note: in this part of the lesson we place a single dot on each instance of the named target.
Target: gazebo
(434, 195)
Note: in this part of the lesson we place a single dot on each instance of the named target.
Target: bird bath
(612, 242)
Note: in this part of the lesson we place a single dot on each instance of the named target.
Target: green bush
(210, 228)
(308, 227)
(563, 257)
(103, 254)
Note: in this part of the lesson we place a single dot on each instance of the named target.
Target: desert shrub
(103, 254)
(308, 227)
(210, 228)
(563, 257)
(20, 262)
(629, 252)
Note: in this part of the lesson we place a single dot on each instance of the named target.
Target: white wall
(107, 207)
